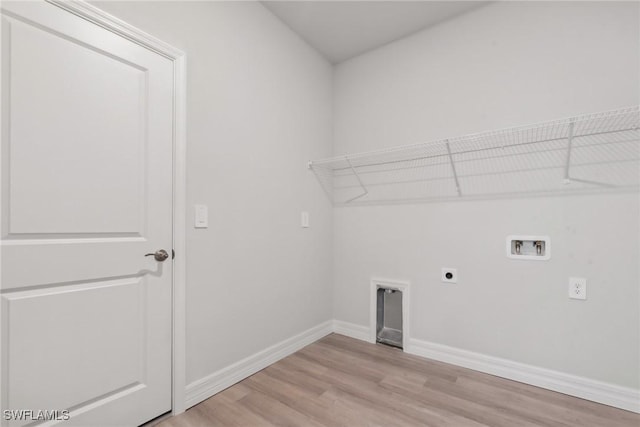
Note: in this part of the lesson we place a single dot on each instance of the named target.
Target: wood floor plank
(564, 415)
(343, 382)
(297, 398)
(227, 412)
(276, 412)
(290, 371)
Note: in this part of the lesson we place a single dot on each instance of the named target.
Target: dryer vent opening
(389, 317)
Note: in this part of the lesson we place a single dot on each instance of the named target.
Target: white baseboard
(206, 387)
(585, 388)
(351, 330)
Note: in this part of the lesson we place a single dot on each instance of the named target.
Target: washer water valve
(527, 247)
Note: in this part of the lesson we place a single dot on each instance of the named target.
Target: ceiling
(343, 29)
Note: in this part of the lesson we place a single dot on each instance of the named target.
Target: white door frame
(117, 26)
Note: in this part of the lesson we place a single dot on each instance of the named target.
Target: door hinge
(173, 254)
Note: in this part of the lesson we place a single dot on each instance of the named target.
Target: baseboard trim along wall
(596, 391)
(206, 387)
(585, 388)
(351, 330)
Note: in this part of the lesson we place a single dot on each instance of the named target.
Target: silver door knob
(159, 255)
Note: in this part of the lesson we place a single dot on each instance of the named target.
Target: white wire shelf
(585, 154)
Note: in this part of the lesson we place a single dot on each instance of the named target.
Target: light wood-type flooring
(340, 381)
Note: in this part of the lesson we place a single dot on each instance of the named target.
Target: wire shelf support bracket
(453, 169)
(591, 153)
(567, 177)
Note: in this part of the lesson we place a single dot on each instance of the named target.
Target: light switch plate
(577, 288)
(201, 219)
(304, 219)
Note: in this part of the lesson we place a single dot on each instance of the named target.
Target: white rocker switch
(304, 219)
(201, 216)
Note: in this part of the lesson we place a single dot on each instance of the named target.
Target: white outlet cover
(577, 288)
(454, 273)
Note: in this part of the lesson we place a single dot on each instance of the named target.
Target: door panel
(47, 319)
(108, 137)
(86, 174)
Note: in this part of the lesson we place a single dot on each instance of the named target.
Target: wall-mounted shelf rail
(591, 153)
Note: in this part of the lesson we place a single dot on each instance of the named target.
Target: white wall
(259, 107)
(502, 65)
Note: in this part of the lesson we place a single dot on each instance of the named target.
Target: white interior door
(86, 174)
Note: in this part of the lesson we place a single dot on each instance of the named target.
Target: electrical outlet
(577, 288)
(449, 275)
